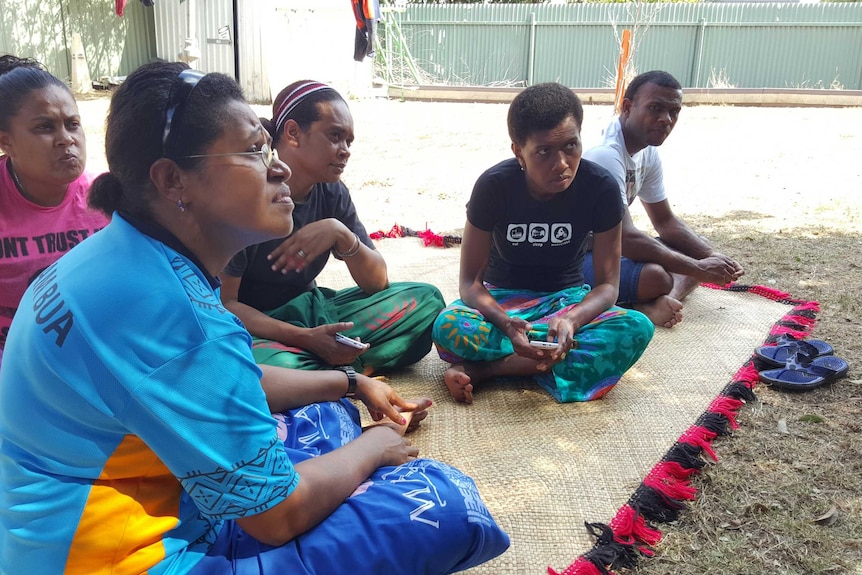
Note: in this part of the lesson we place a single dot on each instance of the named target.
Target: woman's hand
(307, 243)
(383, 401)
(518, 331)
(413, 418)
(321, 341)
(561, 329)
(394, 448)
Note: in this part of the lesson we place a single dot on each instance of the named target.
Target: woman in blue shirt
(136, 432)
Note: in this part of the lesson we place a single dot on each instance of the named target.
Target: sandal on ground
(787, 346)
(802, 372)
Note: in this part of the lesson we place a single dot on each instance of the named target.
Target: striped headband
(294, 99)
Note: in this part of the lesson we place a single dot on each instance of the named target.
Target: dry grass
(797, 456)
(780, 190)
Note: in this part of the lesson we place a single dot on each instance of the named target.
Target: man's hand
(718, 269)
(738, 271)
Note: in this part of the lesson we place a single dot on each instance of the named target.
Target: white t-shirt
(639, 175)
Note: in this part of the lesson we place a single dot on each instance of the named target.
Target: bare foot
(417, 418)
(458, 382)
(664, 311)
(682, 286)
(410, 424)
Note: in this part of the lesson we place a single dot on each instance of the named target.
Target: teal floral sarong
(603, 349)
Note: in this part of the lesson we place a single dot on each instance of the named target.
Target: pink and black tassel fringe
(428, 237)
(664, 493)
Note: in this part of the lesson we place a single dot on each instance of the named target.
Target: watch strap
(351, 379)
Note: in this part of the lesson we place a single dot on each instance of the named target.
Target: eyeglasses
(266, 153)
(183, 86)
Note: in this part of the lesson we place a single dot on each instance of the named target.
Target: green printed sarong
(396, 322)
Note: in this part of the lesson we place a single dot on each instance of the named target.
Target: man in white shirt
(656, 273)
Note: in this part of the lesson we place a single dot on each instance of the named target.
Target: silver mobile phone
(341, 338)
(542, 344)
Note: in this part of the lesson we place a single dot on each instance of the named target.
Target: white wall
(314, 39)
(280, 41)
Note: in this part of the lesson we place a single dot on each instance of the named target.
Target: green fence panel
(743, 45)
(466, 54)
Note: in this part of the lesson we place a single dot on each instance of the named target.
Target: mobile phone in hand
(343, 339)
(541, 344)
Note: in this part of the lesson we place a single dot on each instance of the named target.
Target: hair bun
(269, 126)
(106, 194)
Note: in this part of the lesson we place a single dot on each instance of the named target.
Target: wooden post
(80, 73)
(625, 47)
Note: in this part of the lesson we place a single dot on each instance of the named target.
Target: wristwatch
(351, 380)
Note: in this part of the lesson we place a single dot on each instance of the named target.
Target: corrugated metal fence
(113, 46)
(741, 45)
(705, 45)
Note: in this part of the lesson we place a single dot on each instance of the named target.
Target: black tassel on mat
(686, 455)
(654, 506)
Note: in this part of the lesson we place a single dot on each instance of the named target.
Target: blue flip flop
(802, 372)
(787, 346)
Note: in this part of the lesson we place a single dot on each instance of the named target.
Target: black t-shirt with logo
(539, 245)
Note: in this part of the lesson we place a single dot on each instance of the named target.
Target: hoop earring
(181, 206)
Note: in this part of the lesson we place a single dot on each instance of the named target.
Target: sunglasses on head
(182, 88)
(177, 99)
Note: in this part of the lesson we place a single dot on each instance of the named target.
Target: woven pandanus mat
(545, 468)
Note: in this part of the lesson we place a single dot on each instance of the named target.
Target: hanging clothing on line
(367, 14)
(120, 5)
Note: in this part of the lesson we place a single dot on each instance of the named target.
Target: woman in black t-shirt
(524, 308)
(271, 287)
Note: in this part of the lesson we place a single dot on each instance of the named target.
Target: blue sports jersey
(121, 376)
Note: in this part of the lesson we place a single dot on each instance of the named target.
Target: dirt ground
(779, 189)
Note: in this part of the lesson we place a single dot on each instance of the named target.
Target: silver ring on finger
(300, 253)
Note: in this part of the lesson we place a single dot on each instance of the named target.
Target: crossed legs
(460, 377)
(604, 348)
(658, 297)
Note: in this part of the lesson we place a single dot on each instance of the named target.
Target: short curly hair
(542, 107)
(658, 77)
